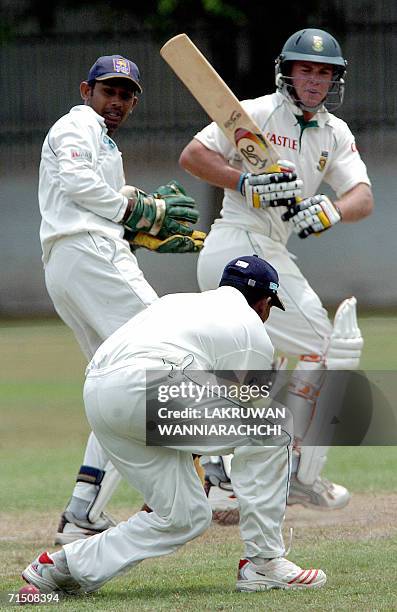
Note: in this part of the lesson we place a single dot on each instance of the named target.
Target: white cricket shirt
(218, 329)
(81, 172)
(324, 153)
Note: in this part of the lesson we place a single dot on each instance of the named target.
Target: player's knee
(194, 517)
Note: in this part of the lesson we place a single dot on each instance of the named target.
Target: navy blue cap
(252, 271)
(114, 67)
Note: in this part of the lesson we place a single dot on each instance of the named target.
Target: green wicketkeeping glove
(163, 213)
(173, 244)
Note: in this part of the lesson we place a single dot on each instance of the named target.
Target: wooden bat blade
(219, 102)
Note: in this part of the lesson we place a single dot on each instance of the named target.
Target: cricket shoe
(278, 573)
(50, 577)
(71, 529)
(322, 494)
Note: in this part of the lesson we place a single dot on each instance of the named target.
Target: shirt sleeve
(253, 351)
(214, 139)
(77, 150)
(347, 168)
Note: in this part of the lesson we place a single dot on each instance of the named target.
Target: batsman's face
(311, 81)
(113, 99)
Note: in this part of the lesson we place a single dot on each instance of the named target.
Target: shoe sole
(256, 585)
(68, 537)
(50, 586)
(32, 577)
(307, 504)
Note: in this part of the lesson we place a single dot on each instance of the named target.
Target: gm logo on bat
(235, 116)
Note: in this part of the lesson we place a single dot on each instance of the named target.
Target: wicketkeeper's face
(311, 81)
(113, 99)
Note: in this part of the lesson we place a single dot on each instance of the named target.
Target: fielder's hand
(173, 244)
(279, 186)
(164, 213)
(312, 216)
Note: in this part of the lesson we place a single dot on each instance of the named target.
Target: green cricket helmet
(312, 45)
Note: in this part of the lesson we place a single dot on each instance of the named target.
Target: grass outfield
(43, 433)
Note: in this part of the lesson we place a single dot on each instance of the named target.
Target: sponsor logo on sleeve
(81, 154)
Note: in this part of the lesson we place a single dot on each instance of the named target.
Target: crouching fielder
(215, 330)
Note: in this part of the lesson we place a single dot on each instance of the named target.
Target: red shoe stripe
(314, 577)
(297, 578)
(242, 563)
(306, 578)
(45, 558)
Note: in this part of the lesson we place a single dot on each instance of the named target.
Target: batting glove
(165, 212)
(279, 186)
(312, 216)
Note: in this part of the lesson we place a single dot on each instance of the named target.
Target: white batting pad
(346, 342)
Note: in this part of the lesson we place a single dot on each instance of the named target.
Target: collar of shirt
(83, 108)
(322, 116)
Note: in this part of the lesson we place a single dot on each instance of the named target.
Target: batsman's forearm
(356, 204)
(208, 166)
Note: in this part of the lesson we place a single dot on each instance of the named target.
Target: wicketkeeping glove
(173, 244)
(312, 216)
(164, 213)
(279, 186)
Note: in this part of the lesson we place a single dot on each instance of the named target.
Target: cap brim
(118, 75)
(277, 302)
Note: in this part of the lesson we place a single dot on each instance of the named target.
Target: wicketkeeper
(89, 218)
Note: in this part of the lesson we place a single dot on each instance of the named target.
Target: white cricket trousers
(96, 286)
(115, 406)
(304, 327)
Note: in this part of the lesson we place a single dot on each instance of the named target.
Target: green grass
(42, 436)
(379, 342)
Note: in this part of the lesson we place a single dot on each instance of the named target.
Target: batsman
(318, 148)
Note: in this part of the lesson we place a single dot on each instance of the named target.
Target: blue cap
(115, 67)
(252, 271)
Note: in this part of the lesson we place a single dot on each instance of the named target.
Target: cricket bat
(220, 103)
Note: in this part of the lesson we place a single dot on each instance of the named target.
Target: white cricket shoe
(44, 574)
(278, 573)
(322, 494)
(71, 529)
